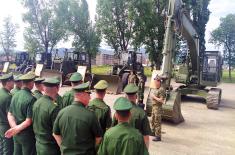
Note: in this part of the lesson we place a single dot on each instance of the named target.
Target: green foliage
(8, 36)
(149, 27)
(225, 35)
(115, 23)
(200, 14)
(45, 29)
(76, 19)
(226, 77)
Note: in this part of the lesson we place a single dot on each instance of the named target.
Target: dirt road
(204, 132)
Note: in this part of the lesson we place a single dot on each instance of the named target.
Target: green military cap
(27, 77)
(51, 81)
(122, 104)
(6, 77)
(84, 87)
(102, 84)
(17, 77)
(39, 80)
(75, 77)
(131, 89)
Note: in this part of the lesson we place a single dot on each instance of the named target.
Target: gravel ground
(204, 132)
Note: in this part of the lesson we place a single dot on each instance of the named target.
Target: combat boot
(157, 138)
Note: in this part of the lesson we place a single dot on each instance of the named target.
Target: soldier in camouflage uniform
(158, 98)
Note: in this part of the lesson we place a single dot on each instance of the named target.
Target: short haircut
(100, 90)
(76, 82)
(4, 82)
(50, 85)
(27, 81)
(123, 113)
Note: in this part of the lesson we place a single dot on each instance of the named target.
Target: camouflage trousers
(156, 120)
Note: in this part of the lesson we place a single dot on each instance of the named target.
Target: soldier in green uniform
(68, 97)
(138, 118)
(45, 110)
(20, 118)
(76, 129)
(6, 145)
(123, 139)
(39, 87)
(158, 98)
(101, 109)
(18, 84)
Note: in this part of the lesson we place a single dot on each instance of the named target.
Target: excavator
(202, 69)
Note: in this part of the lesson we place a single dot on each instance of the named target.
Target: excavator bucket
(172, 106)
(114, 81)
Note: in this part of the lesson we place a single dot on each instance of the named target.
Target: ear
(116, 115)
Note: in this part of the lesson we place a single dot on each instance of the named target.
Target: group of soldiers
(44, 123)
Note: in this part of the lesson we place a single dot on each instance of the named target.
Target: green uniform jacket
(5, 101)
(59, 101)
(15, 90)
(138, 120)
(21, 108)
(78, 127)
(37, 94)
(68, 98)
(123, 140)
(45, 111)
(102, 112)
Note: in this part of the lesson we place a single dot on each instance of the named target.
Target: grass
(225, 77)
(101, 70)
(106, 69)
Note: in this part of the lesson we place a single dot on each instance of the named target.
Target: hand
(12, 132)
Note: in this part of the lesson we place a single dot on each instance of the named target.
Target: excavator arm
(179, 23)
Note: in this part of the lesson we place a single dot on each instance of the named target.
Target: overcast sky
(218, 8)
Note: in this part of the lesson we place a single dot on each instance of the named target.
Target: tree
(75, 16)
(149, 27)
(225, 35)
(45, 29)
(200, 16)
(8, 36)
(115, 23)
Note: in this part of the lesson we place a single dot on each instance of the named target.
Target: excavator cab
(211, 72)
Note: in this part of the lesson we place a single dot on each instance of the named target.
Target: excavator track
(213, 98)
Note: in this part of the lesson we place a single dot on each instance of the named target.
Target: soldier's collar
(78, 103)
(27, 89)
(124, 123)
(49, 97)
(6, 90)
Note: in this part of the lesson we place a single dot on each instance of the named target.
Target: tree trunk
(89, 62)
(229, 66)
(7, 56)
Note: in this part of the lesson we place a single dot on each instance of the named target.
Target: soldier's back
(123, 140)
